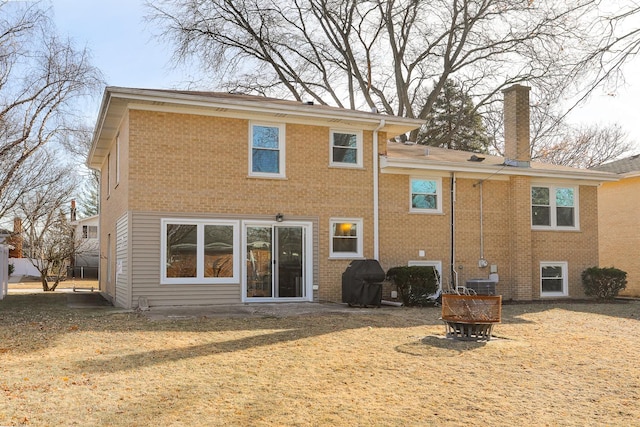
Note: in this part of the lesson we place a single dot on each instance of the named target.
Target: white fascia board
(403, 165)
(157, 100)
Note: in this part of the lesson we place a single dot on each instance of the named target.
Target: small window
(199, 251)
(346, 238)
(117, 160)
(108, 180)
(89, 231)
(426, 195)
(346, 148)
(553, 279)
(554, 207)
(267, 150)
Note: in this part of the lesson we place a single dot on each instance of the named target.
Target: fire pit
(470, 317)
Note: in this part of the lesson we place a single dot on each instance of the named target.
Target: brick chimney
(16, 239)
(73, 211)
(517, 143)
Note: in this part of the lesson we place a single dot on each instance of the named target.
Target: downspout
(483, 262)
(454, 273)
(376, 219)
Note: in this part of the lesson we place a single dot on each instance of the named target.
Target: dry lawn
(552, 364)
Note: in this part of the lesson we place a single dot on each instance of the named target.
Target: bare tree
(41, 77)
(391, 55)
(48, 235)
(555, 141)
(618, 42)
(585, 147)
(77, 142)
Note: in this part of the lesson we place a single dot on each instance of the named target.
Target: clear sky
(124, 49)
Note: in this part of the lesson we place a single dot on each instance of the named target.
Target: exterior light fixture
(279, 217)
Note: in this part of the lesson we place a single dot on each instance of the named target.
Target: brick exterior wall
(199, 164)
(619, 207)
(179, 163)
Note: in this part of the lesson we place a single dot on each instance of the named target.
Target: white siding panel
(145, 265)
(123, 282)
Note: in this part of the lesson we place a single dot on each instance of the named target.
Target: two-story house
(215, 198)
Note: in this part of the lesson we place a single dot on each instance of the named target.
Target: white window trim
(108, 174)
(359, 237)
(565, 278)
(552, 206)
(359, 147)
(281, 150)
(438, 209)
(308, 261)
(428, 263)
(117, 160)
(199, 279)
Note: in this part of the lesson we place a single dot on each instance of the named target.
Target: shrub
(415, 284)
(11, 269)
(603, 283)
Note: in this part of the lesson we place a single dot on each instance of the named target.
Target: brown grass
(551, 364)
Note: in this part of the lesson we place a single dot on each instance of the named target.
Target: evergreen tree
(454, 122)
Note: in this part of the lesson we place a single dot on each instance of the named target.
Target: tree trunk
(45, 283)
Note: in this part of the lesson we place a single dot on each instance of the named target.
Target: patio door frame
(307, 260)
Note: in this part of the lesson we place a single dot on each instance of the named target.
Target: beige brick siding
(181, 164)
(187, 163)
(619, 207)
(113, 203)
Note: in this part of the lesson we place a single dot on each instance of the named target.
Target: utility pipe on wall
(454, 273)
(376, 225)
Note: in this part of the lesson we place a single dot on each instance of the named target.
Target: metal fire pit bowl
(471, 317)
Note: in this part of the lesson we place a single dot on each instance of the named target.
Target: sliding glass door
(276, 261)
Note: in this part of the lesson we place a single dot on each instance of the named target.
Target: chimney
(517, 144)
(73, 210)
(16, 239)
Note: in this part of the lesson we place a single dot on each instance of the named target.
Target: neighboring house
(86, 261)
(214, 198)
(13, 239)
(619, 220)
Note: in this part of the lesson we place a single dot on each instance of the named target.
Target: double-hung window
(553, 279)
(89, 231)
(346, 148)
(346, 238)
(554, 207)
(199, 251)
(266, 150)
(426, 195)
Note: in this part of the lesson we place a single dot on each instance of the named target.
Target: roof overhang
(117, 101)
(407, 166)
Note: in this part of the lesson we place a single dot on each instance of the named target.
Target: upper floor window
(117, 159)
(346, 238)
(346, 148)
(89, 231)
(426, 195)
(554, 207)
(108, 180)
(267, 150)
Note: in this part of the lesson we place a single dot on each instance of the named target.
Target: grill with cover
(362, 283)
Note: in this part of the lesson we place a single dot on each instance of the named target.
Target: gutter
(376, 196)
(398, 164)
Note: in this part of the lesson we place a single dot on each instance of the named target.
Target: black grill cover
(362, 283)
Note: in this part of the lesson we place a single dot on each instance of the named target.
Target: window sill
(346, 166)
(571, 230)
(425, 212)
(345, 257)
(275, 177)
